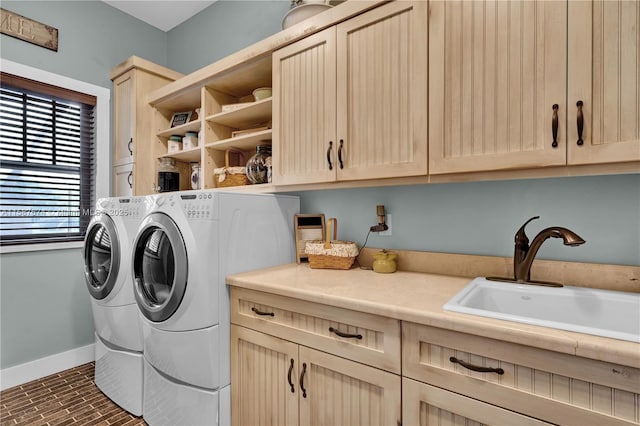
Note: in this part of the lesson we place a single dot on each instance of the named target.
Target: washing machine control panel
(133, 207)
(198, 206)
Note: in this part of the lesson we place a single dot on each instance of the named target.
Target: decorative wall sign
(26, 29)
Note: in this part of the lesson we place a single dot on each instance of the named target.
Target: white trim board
(33, 370)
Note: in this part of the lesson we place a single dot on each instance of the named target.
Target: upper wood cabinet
(350, 102)
(132, 124)
(496, 70)
(604, 73)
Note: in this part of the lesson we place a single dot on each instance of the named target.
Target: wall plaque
(28, 30)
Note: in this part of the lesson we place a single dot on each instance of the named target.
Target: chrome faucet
(524, 254)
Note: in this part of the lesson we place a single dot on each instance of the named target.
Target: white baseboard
(33, 370)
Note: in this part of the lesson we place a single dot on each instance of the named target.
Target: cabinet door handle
(329, 155)
(130, 179)
(340, 154)
(477, 368)
(130, 146)
(289, 376)
(258, 312)
(580, 123)
(346, 335)
(554, 126)
(304, 370)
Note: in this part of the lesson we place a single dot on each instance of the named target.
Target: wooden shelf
(192, 126)
(257, 112)
(243, 142)
(186, 156)
(257, 188)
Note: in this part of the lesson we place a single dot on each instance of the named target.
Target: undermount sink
(613, 314)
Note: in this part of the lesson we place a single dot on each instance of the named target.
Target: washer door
(159, 267)
(101, 256)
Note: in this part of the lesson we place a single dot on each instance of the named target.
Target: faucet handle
(521, 236)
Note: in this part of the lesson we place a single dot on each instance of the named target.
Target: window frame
(102, 144)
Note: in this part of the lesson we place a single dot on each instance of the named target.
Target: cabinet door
(304, 110)
(123, 180)
(427, 405)
(124, 110)
(342, 392)
(496, 70)
(260, 391)
(604, 73)
(382, 92)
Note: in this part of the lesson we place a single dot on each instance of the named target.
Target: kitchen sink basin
(613, 314)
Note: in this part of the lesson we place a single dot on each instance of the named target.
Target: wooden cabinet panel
(495, 71)
(382, 93)
(567, 389)
(343, 392)
(309, 323)
(304, 110)
(350, 102)
(124, 117)
(426, 405)
(260, 393)
(123, 180)
(604, 73)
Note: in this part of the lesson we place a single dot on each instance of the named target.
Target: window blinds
(46, 162)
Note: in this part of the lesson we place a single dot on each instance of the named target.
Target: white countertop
(419, 297)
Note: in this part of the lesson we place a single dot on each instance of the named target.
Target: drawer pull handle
(304, 370)
(580, 123)
(476, 368)
(270, 314)
(329, 155)
(346, 335)
(289, 376)
(554, 126)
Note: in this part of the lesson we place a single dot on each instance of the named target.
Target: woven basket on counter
(330, 254)
(231, 175)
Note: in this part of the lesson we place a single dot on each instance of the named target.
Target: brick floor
(67, 398)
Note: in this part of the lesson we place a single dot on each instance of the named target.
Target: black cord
(362, 248)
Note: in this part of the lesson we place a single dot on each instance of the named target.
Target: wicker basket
(231, 175)
(330, 254)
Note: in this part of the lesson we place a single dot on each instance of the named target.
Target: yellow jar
(384, 262)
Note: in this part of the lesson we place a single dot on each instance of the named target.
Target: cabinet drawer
(556, 387)
(426, 405)
(311, 324)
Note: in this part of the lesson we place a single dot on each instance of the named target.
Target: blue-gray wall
(44, 304)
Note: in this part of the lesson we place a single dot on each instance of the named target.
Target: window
(47, 162)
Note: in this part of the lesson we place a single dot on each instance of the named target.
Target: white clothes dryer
(185, 247)
(107, 258)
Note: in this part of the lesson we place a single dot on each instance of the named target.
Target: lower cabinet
(427, 405)
(278, 382)
(486, 374)
(298, 362)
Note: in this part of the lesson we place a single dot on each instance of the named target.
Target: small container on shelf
(195, 175)
(168, 175)
(174, 144)
(190, 140)
(259, 165)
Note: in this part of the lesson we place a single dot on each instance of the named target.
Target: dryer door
(159, 267)
(101, 256)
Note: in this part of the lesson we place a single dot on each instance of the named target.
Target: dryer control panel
(198, 205)
(128, 207)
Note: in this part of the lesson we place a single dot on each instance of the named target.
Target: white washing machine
(185, 247)
(107, 257)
